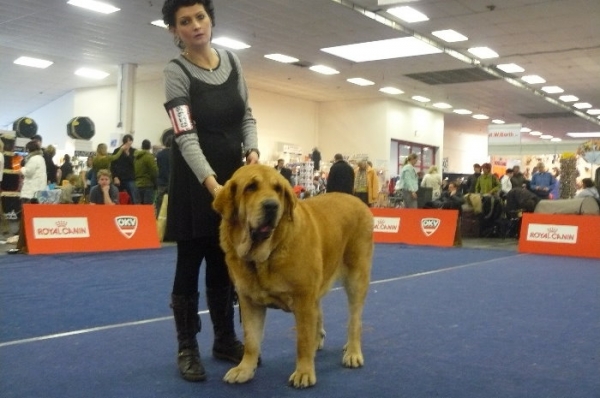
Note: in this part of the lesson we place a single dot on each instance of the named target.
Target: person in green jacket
(146, 172)
(487, 183)
(102, 159)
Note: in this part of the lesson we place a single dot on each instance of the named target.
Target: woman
(102, 160)
(34, 172)
(433, 180)
(66, 169)
(207, 101)
(365, 183)
(588, 189)
(409, 182)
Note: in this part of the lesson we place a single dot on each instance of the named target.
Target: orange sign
(89, 228)
(429, 227)
(560, 234)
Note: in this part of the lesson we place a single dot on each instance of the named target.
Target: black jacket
(341, 178)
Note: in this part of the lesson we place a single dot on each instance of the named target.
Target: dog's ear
(290, 200)
(224, 202)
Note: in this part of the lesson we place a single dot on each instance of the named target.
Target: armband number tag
(181, 119)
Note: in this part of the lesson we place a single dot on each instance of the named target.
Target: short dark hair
(170, 8)
(146, 144)
(127, 137)
(37, 137)
(587, 183)
(338, 156)
(32, 146)
(509, 171)
(476, 166)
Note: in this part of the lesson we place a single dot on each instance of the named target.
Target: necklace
(209, 68)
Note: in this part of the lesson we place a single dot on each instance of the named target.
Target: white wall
(465, 149)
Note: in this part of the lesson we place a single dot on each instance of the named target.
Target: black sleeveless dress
(218, 111)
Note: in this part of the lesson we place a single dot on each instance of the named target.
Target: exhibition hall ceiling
(558, 40)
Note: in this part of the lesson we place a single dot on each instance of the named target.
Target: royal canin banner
(89, 228)
(429, 227)
(560, 234)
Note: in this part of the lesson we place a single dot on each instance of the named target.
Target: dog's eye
(278, 188)
(251, 187)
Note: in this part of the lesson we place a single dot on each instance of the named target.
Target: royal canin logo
(430, 225)
(127, 225)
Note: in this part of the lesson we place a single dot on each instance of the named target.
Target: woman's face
(193, 26)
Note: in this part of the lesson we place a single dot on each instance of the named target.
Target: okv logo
(127, 225)
(430, 225)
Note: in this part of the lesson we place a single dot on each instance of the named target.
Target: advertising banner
(504, 134)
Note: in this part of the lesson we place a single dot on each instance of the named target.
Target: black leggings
(190, 254)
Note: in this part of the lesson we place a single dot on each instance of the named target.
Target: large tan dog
(286, 253)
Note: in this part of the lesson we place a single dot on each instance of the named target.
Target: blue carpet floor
(437, 323)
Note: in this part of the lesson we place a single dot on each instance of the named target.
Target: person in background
(123, 170)
(66, 169)
(518, 179)
(472, 179)
(207, 101)
(4, 227)
(48, 154)
(542, 182)
(341, 176)
(409, 182)
(505, 181)
(104, 193)
(555, 193)
(284, 171)
(146, 172)
(102, 159)
(365, 183)
(316, 158)
(588, 189)
(34, 172)
(487, 183)
(163, 162)
(433, 180)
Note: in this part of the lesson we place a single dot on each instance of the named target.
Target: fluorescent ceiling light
(230, 43)
(408, 14)
(555, 139)
(480, 117)
(462, 111)
(91, 73)
(510, 68)
(33, 62)
(498, 121)
(535, 133)
(533, 79)
(483, 52)
(552, 89)
(449, 35)
(160, 23)
(582, 105)
(282, 58)
(391, 90)
(525, 129)
(595, 134)
(325, 70)
(383, 49)
(359, 81)
(442, 105)
(546, 136)
(568, 98)
(593, 112)
(420, 98)
(93, 5)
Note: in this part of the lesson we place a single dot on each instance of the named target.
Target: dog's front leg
(253, 322)
(306, 313)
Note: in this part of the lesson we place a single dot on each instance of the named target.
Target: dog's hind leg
(356, 284)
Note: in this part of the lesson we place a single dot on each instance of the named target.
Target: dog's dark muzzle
(270, 209)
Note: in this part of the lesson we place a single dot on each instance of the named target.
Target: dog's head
(252, 204)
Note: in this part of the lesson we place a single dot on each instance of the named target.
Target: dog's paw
(322, 334)
(303, 379)
(239, 374)
(353, 359)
